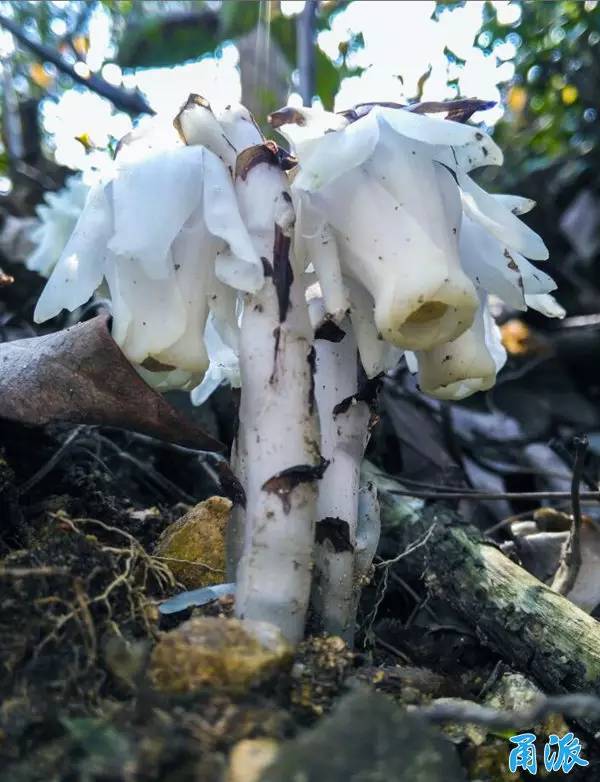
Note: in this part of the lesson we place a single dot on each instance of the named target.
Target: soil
(82, 509)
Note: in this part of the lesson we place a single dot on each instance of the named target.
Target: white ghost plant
(303, 287)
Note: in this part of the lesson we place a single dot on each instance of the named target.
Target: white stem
(237, 521)
(277, 424)
(344, 435)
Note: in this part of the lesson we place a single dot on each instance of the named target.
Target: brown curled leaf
(80, 375)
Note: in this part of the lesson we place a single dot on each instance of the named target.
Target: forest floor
(82, 509)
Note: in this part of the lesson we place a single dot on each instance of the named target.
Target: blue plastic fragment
(196, 597)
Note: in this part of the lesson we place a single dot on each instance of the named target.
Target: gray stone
(367, 739)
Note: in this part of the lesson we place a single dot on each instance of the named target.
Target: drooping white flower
(469, 364)
(384, 186)
(57, 218)
(166, 236)
(388, 212)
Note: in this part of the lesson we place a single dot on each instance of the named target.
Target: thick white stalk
(277, 423)
(237, 521)
(344, 425)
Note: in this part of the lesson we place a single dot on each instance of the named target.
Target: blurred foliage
(552, 102)
(179, 36)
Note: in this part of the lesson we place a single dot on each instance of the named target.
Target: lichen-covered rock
(194, 545)
(229, 654)
(322, 664)
(249, 758)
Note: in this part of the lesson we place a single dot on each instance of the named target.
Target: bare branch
(577, 705)
(131, 102)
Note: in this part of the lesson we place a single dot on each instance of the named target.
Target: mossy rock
(231, 655)
(193, 547)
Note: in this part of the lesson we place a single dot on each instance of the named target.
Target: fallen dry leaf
(80, 375)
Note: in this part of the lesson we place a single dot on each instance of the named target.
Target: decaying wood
(80, 375)
(536, 630)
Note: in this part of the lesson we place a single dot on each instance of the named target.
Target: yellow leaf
(40, 76)
(81, 44)
(516, 337)
(569, 94)
(517, 99)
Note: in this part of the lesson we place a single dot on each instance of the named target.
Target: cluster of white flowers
(57, 217)
(402, 237)
(164, 235)
(388, 219)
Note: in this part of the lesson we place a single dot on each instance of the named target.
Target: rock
(515, 692)
(367, 737)
(322, 664)
(229, 654)
(194, 545)
(249, 758)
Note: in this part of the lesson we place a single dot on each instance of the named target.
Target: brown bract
(5, 279)
(80, 375)
(254, 156)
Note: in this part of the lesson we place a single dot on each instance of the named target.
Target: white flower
(466, 365)
(57, 219)
(384, 186)
(166, 236)
(224, 366)
(400, 236)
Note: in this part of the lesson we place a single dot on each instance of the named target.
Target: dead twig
(52, 461)
(570, 562)
(578, 705)
(131, 102)
(462, 494)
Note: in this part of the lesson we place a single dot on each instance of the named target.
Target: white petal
(493, 339)
(324, 160)
(81, 266)
(239, 127)
(462, 367)
(373, 351)
(545, 304)
(411, 361)
(198, 126)
(515, 204)
(225, 308)
(193, 253)
(457, 145)
(489, 264)
(499, 220)
(224, 365)
(302, 125)
(239, 266)
(152, 200)
(323, 253)
(148, 315)
(167, 381)
(534, 280)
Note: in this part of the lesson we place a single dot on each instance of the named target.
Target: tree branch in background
(131, 102)
(305, 43)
